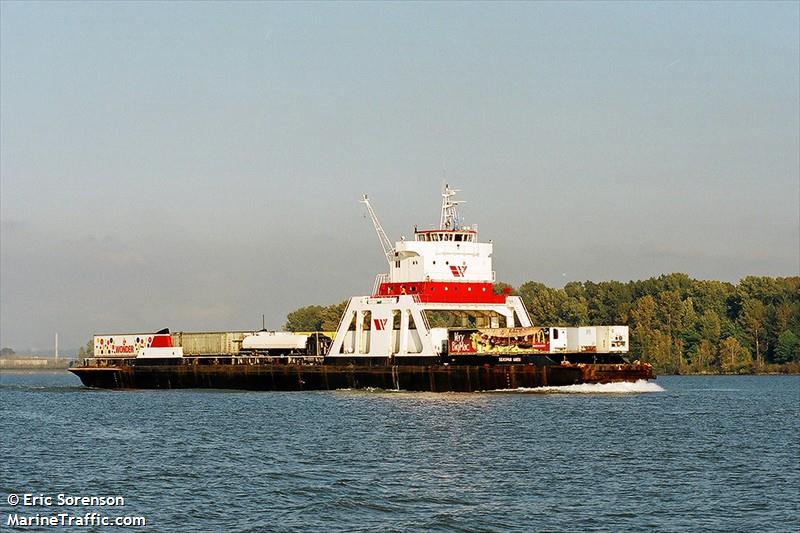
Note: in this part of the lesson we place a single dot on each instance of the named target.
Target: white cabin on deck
(444, 265)
(437, 255)
(444, 269)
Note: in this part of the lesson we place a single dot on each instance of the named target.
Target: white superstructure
(441, 270)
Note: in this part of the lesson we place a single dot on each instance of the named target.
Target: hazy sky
(195, 165)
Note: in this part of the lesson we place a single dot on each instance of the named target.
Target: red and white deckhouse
(443, 269)
(447, 264)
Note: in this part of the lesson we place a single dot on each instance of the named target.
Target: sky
(194, 165)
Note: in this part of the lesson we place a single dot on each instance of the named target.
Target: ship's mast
(386, 244)
(449, 219)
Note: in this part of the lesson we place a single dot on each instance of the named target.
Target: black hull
(440, 377)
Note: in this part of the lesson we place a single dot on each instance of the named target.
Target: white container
(210, 342)
(121, 345)
(582, 339)
(612, 339)
(558, 340)
(438, 338)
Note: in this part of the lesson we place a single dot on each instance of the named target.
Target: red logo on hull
(380, 323)
(458, 271)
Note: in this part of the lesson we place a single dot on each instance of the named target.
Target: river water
(715, 453)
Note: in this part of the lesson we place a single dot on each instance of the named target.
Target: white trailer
(612, 339)
(558, 340)
(582, 339)
(121, 345)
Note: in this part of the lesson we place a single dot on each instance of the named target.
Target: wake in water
(622, 387)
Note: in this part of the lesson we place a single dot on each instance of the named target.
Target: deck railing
(379, 279)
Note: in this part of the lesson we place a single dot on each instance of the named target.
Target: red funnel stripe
(161, 341)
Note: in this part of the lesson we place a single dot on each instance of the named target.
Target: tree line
(678, 324)
(684, 325)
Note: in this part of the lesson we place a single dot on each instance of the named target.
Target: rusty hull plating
(261, 374)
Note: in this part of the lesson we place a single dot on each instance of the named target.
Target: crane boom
(386, 244)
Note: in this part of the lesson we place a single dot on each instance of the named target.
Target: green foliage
(705, 358)
(307, 318)
(315, 318)
(554, 307)
(788, 348)
(734, 358)
(87, 350)
(500, 287)
(7, 351)
(331, 315)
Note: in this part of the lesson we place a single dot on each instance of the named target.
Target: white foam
(621, 387)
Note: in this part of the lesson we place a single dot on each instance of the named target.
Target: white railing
(422, 312)
(379, 279)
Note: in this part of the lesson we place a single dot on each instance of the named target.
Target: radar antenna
(386, 244)
(449, 219)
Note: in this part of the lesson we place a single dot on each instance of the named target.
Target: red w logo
(380, 323)
(458, 271)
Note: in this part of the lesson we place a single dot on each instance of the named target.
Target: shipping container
(121, 345)
(612, 339)
(558, 340)
(582, 339)
(210, 342)
(439, 339)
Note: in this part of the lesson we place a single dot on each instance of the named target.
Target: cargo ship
(480, 340)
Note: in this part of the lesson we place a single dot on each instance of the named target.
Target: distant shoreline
(35, 363)
(9, 371)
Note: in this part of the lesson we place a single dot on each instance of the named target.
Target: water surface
(712, 453)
